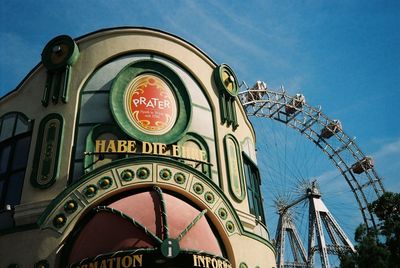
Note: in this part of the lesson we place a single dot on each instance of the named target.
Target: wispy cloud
(389, 149)
(387, 164)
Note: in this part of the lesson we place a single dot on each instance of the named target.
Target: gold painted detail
(132, 260)
(71, 206)
(209, 262)
(59, 220)
(127, 175)
(131, 146)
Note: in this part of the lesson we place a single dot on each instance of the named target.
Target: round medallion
(59, 52)
(170, 248)
(151, 105)
(150, 102)
(226, 80)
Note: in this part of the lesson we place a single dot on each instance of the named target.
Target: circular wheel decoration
(59, 52)
(150, 102)
(295, 166)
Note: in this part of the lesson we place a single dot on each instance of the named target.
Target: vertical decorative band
(47, 151)
(234, 168)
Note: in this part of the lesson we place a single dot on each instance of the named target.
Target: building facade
(128, 147)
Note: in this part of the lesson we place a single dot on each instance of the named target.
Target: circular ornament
(170, 248)
(226, 80)
(230, 226)
(71, 206)
(59, 52)
(90, 190)
(165, 174)
(127, 175)
(222, 213)
(105, 182)
(209, 196)
(42, 264)
(59, 220)
(150, 102)
(198, 188)
(180, 178)
(143, 173)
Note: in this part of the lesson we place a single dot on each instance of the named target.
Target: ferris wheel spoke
(294, 164)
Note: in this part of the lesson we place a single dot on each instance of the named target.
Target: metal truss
(328, 135)
(321, 222)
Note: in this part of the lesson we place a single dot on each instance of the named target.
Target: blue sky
(343, 55)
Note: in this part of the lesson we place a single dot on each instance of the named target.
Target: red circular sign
(151, 104)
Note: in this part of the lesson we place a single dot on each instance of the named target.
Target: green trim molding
(58, 56)
(118, 103)
(234, 168)
(59, 52)
(47, 152)
(60, 220)
(226, 80)
(228, 87)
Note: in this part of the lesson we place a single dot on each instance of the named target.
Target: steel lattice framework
(355, 167)
(320, 220)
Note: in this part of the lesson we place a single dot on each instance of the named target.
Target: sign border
(117, 102)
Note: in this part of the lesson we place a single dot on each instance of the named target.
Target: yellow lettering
(146, 147)
(175, 151)
(139, 259)
(111, 147)
(110, 262)
(118, 262)
(208, 260)
(195, 257)
(214, 263)
(157, 148)
(131, 146)
(93, 265)
(126, 261)
(122, 146)
(103, 264)
(163, 149)
(219, 264)
(100, 146)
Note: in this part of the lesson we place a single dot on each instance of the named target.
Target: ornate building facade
(128, 147)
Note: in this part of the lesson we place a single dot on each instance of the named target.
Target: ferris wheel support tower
(320, 222)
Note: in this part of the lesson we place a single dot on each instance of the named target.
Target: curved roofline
(105, 30)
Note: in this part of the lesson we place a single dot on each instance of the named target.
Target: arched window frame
(206, 169)
(96, 131)
(8, 159)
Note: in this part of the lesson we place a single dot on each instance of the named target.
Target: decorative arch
(70, 207)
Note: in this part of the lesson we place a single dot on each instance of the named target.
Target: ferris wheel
(315, 176)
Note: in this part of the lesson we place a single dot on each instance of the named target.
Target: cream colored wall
(26, 248)
(95, 50)
(252, 252)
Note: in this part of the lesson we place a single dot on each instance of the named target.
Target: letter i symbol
(169, 248)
